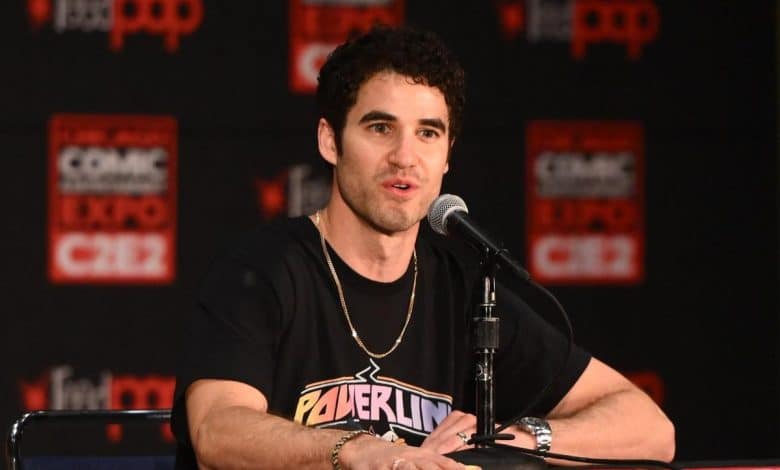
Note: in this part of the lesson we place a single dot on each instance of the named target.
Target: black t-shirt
(269, 315)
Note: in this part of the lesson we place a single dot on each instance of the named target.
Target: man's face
(395, 145)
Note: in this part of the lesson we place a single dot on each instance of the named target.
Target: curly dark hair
(417, 54)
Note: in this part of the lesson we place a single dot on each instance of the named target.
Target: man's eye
(380, 127)
(429, 133)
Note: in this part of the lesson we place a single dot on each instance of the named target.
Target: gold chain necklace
(344, 303)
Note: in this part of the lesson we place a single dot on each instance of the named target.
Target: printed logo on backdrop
(297, 190)
(59, 388)
(581, 23)
(112, 199)
(169, 19)
(584, 195)
(318, 26)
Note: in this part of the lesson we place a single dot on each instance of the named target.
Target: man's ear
(326, 139)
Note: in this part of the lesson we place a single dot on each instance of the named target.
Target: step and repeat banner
(624, 150)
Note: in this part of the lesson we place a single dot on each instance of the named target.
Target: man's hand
(368, 452)
(448, 435)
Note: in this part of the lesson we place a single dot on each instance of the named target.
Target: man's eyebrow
(377, 116)
(436, 123)
(370, 116)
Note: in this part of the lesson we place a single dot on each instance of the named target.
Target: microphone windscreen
(441, 208)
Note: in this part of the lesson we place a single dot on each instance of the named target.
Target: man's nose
(404, 154)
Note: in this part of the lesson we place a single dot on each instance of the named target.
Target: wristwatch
(538, 428)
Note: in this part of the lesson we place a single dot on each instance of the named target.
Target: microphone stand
(485, 338)
(485, 343)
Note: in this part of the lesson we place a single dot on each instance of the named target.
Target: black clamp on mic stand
(485, 342)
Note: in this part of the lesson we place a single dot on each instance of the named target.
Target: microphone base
(498, 458)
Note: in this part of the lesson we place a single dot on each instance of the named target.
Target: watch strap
(540, 429)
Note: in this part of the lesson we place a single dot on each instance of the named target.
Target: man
(354, 318)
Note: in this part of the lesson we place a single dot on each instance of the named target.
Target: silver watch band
(540, 429)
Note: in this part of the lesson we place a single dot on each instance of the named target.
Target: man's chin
(395, 223)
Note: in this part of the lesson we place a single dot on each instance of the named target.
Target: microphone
(448, 215)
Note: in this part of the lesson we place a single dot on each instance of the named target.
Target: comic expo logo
(318, 26)
(585, 210)
(112, 198)
(60, 389)
(582, 23)
(297, 190)
(170, 19)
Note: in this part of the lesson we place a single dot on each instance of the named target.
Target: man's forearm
(615, 427)
(240, 437)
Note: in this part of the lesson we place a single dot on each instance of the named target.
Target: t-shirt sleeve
(531, 360)
(232, 334)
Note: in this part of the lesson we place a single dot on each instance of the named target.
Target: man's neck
(370, 253)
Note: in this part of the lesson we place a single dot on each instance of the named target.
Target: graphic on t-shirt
(367, 397)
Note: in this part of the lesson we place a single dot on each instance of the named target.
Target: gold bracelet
(334, 454)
